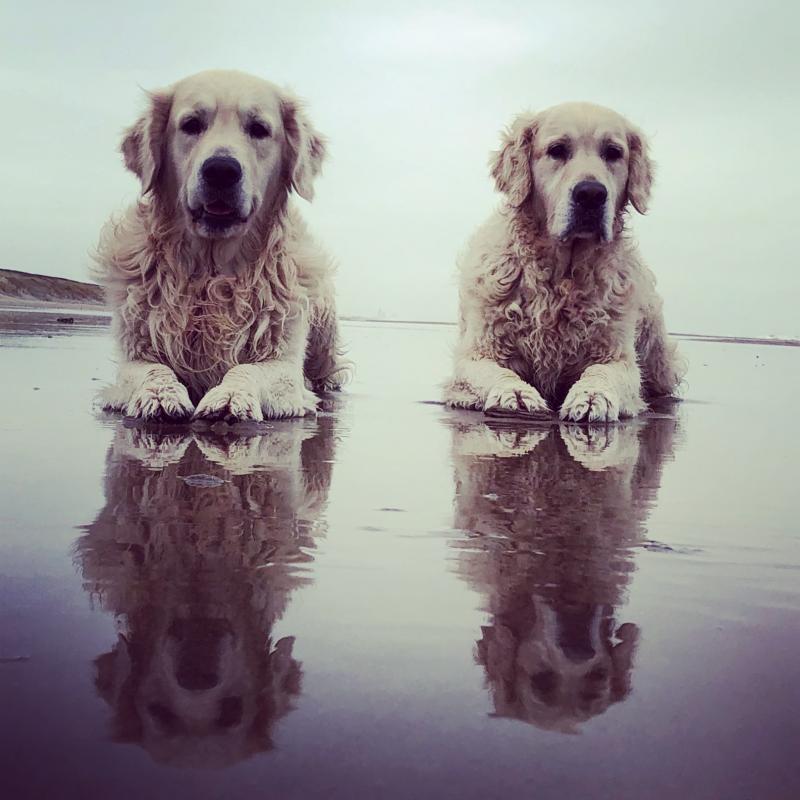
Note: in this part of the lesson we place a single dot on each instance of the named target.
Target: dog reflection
(201, 541)
(550, 516)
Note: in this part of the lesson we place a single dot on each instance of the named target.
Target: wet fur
(171, 306)
(200, 307)
(537, 313)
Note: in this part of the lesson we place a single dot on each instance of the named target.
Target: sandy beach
(393, 599)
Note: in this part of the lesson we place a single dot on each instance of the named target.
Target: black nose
(221, 172)
(589, 195)
(194, 678)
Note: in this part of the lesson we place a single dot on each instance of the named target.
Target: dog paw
(599, 447)
(112, 398)
(334, 382)
(238, 455)
(584, 404)
(229, 404)
(289, 399)
(516, 397)
(155, 449)
(156, 401)
(516, 441)
(461, 394)
(587, 439)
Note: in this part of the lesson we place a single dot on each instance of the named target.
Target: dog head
(556, 666)
(194, 690)
(579, 165)
(220, 146)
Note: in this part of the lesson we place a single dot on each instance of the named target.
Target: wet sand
(395, 600)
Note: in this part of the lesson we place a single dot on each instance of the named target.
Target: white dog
(556, 305)
(220, 297)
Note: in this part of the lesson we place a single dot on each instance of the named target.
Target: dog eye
(559, 151)
(544, 684)
(612, 153)
(258, 130)
(192, 126)
(230, 712)
(164, 717)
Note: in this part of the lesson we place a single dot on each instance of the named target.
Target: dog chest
(556, 328)
(211, 329)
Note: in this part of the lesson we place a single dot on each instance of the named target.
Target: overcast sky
(412, 99)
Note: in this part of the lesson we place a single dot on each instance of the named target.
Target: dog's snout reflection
(201, 542)
(550, 517)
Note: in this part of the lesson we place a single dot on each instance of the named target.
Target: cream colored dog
(554, 571)
(196, 553)
(220, 297)
(556, 305)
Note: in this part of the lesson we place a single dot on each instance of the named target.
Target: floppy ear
(305, 148)
(113, 670)
(511, 165)
(640, 171)
(144, 142)
(622, 660)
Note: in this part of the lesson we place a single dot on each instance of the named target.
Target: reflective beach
(394, 600)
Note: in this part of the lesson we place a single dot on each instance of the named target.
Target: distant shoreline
(25, 291)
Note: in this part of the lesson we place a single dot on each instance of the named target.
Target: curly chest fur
(219, 323)
(549, 332)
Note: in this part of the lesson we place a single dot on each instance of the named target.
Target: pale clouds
(412, 100)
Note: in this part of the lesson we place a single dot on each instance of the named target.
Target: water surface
(395, 600)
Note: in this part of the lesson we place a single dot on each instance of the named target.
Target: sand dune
(27, 287)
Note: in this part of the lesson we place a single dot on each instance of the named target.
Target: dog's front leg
(483, 384)
(149, 391)
(270, 389)
(605, 392)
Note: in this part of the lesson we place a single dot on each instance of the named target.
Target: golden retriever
(201, 543)
(223, 304)
(553, 569)
(556, 306)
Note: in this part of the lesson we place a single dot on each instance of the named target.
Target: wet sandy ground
(394, 600)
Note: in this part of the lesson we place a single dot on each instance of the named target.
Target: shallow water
(394, 600)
